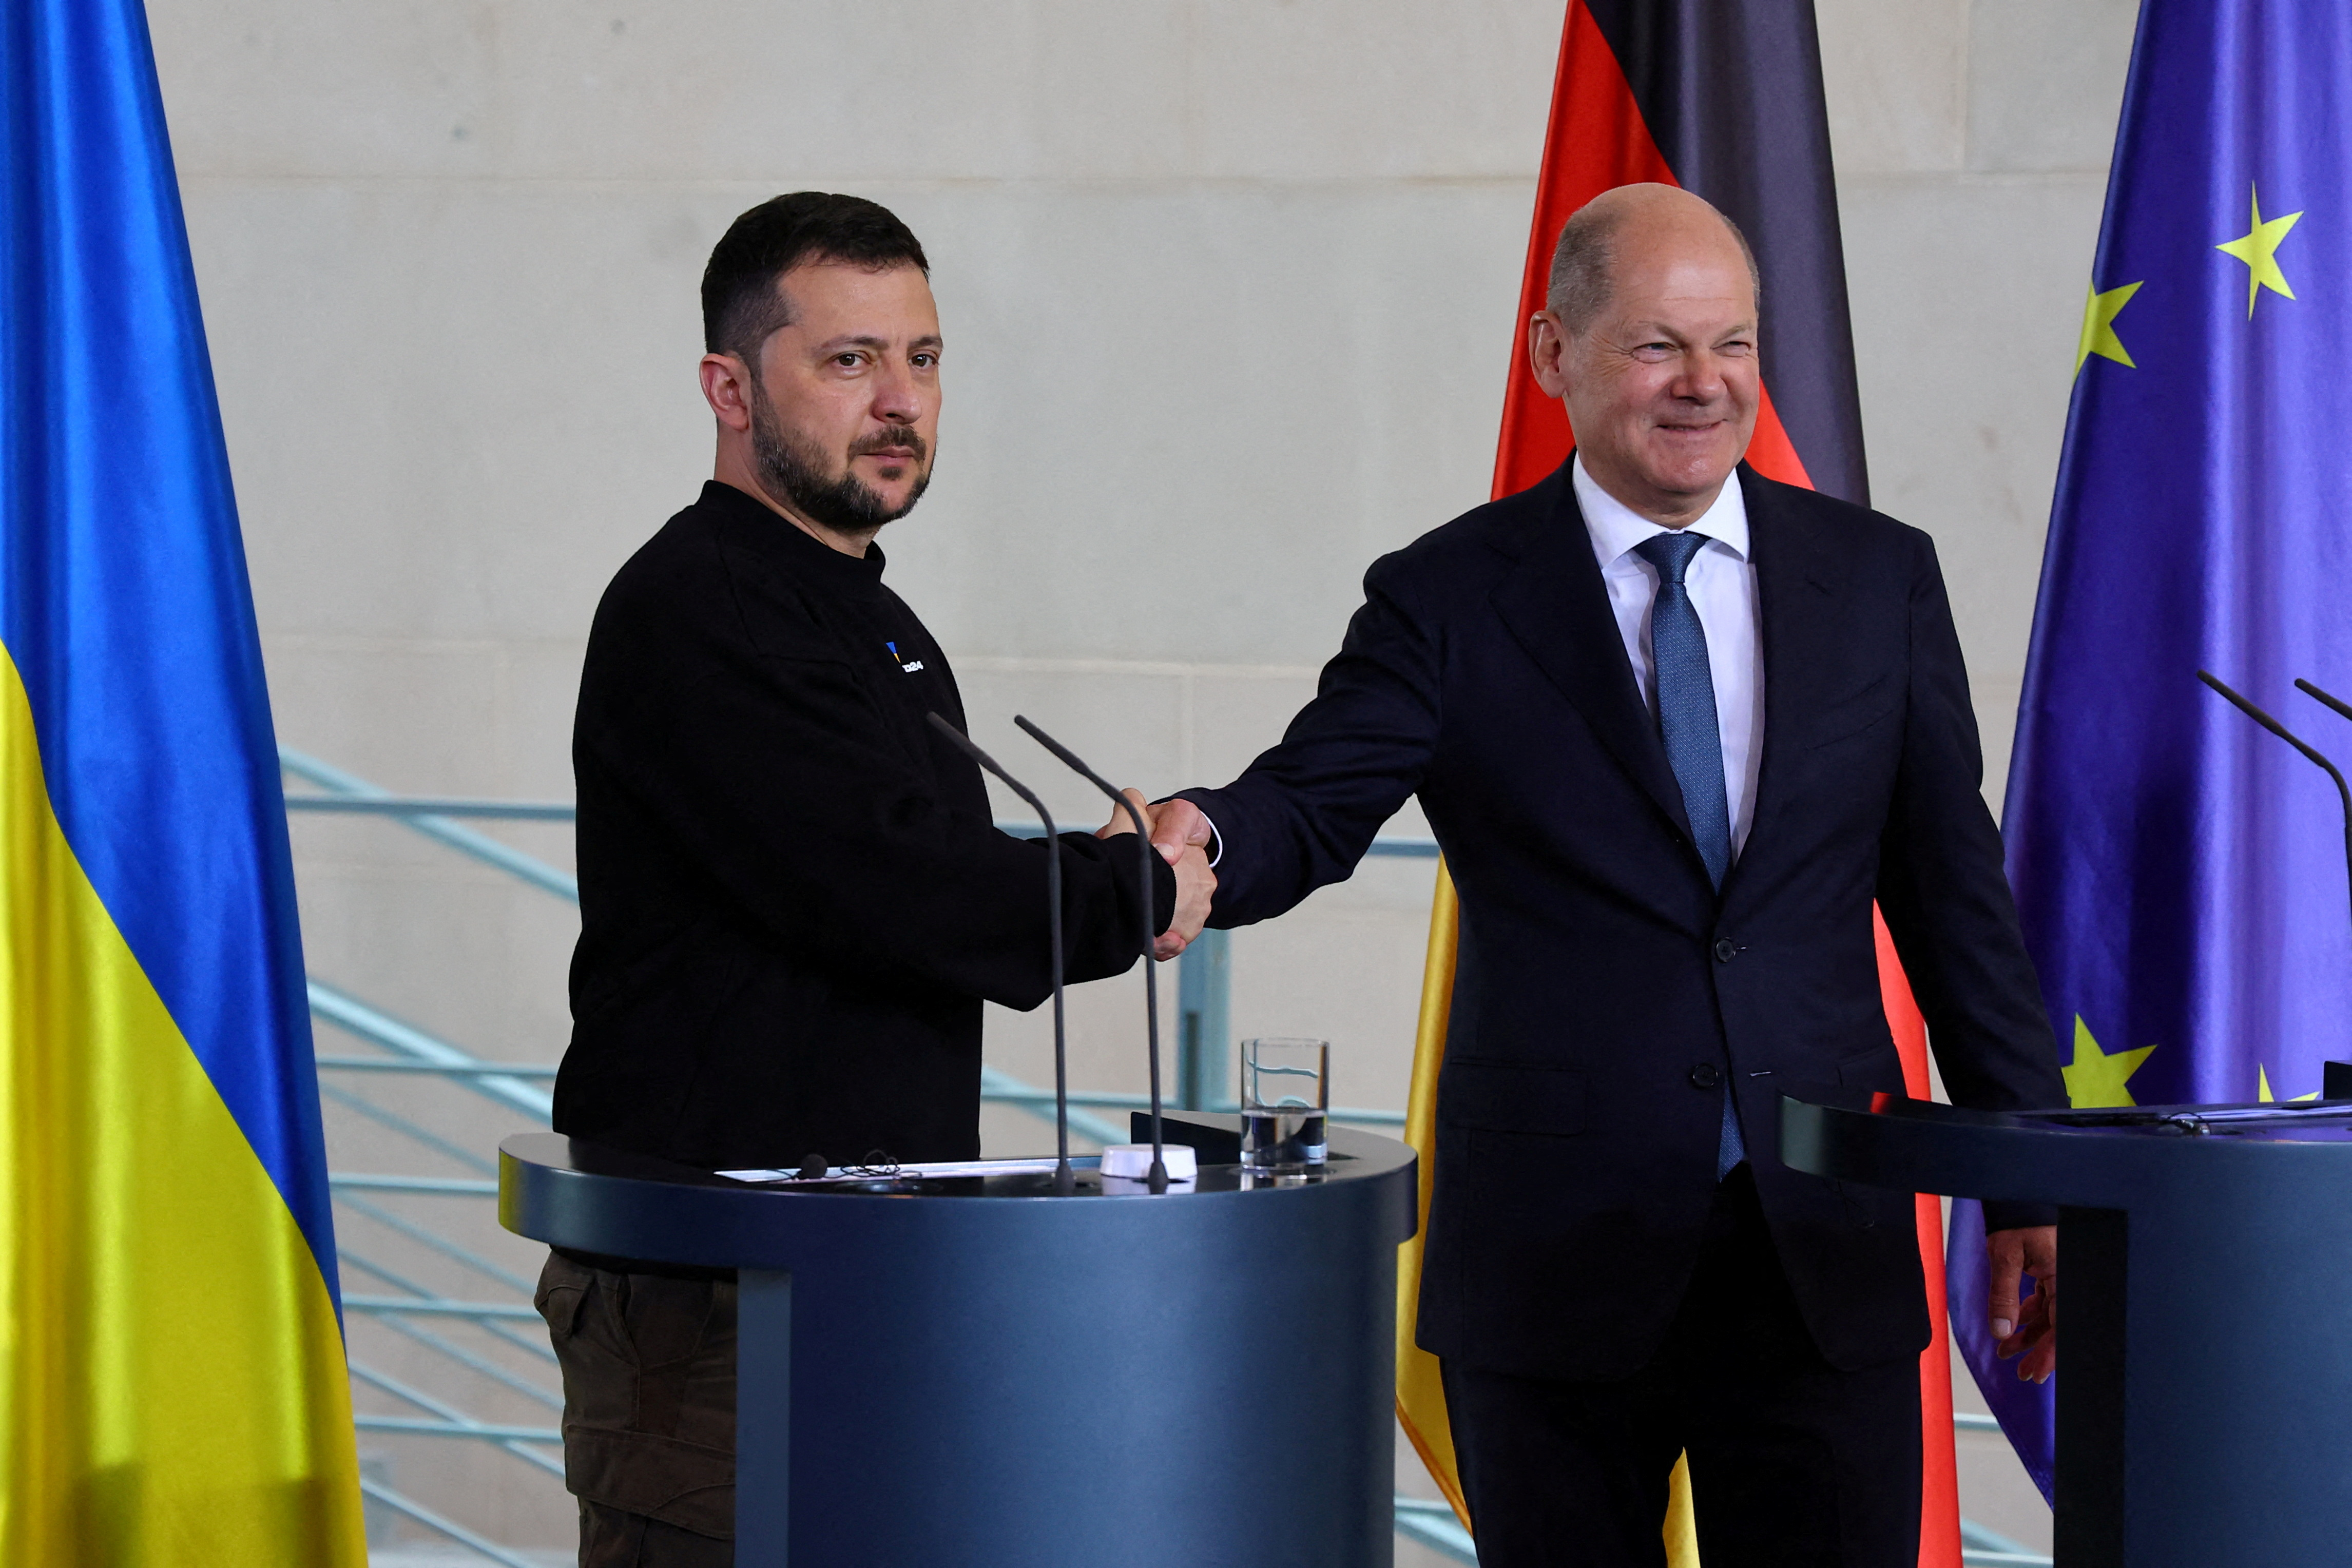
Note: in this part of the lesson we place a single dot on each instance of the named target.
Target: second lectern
(2205, 1343)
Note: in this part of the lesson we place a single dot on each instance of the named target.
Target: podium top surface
(2097, 1158)
(569, 1192)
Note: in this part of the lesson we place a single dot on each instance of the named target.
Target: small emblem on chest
(904, 663)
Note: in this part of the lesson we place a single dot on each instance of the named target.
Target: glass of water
(1285, 1095)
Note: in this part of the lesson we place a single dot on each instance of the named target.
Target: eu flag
(172, 1381)
(2178, 869)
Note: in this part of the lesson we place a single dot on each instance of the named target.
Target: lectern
(2205, 1314)
(974, 1371)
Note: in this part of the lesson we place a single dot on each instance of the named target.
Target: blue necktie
(1694, 743)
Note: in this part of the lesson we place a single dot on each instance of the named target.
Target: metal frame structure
(422, 1314)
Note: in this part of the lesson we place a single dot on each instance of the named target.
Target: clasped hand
(1196, 884)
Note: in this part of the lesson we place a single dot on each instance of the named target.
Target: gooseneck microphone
(2330, 698)
(1145, 855)
(2342, 791)
(1065, 1182)
(2343, 710)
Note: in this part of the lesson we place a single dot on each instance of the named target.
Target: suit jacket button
(1705, 1076)
(1724, 950)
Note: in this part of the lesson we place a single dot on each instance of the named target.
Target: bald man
(1676, 727)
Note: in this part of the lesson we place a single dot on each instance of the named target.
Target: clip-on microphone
(1065, 1182)
(1159, 1174)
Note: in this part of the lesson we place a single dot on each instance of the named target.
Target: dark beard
(793, 473)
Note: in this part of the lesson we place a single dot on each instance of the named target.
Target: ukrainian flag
(171, 1380)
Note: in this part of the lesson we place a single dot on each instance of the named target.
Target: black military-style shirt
(793, 901)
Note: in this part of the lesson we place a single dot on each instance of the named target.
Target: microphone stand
(2275, 728)
(1145, 854)
(1065, 1181)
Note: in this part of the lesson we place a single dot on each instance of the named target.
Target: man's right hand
(1176, 826)
(1196, 884)
(1196, 887)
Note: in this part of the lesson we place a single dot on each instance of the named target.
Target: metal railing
(420, 1314)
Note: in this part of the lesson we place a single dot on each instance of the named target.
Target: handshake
(1181, 833)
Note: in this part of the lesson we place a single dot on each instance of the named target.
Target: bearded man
(793, 901)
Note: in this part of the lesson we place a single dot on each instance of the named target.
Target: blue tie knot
(1671, 552)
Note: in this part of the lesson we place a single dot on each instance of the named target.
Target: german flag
(1722, 98)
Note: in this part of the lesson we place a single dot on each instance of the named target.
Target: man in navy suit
(1676, 728)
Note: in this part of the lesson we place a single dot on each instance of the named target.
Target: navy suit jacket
(1606, 997)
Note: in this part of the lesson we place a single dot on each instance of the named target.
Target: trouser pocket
(648, 1366)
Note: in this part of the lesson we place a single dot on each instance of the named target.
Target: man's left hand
(2028, 1332)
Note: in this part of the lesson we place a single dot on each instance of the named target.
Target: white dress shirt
(1722, 583)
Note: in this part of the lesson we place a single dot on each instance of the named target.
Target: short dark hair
(1580, 283)
(741, 302)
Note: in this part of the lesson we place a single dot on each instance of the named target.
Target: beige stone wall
(1227, 289)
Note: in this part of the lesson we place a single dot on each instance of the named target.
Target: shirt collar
(773, 538)
(1616, 528)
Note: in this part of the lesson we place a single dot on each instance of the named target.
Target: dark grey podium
(2205, 1351)
(976, 1372)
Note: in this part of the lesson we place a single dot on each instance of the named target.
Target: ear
(727, 388)
(1548, 353)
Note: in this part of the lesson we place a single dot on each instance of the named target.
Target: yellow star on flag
(2262, 1087)
(2096, 1079)
(2099, 327)
(2258, 248)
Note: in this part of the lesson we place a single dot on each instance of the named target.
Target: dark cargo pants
(648, 1365)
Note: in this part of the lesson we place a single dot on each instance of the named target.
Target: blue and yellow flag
(172, 1379)
(2179, 872)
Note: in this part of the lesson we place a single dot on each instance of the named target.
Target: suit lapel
(1799, 580)
(1557, 608)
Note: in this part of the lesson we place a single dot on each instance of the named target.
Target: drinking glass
(1286, 1095)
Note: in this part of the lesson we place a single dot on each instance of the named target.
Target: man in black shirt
(793, 901)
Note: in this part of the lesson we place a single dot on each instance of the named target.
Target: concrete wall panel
(2046, 81)
(1968, 300)
(1896, 73)
(731, 91)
